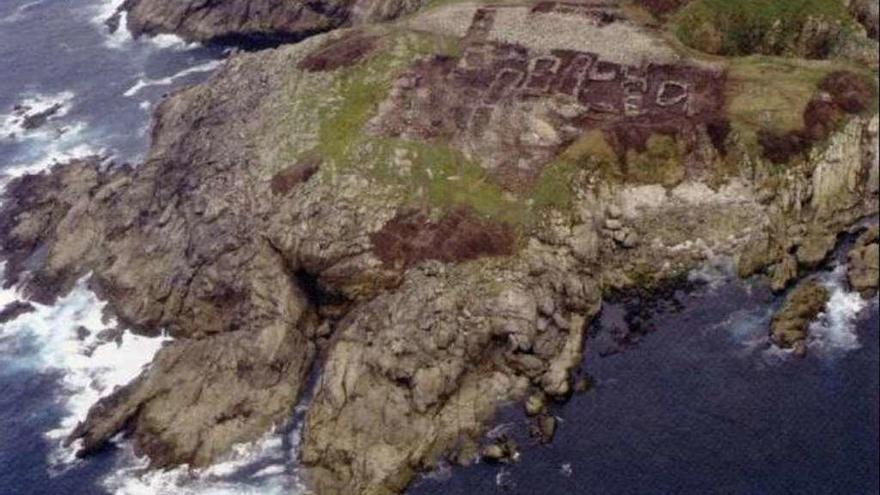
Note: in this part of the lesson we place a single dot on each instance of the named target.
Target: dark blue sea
(694, 402)
(700, 404)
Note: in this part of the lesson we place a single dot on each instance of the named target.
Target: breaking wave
(76, 339)
(264, 467)
(165, 81)
(20, 12)
(834, 331)
(121, 38)
(12, 125)
(832, 334)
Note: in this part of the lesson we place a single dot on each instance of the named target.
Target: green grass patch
(770, 93)
(743, 27)
(660, 163)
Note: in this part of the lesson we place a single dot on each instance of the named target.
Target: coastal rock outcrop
(15, 309)
(432, 210)
(864, 262)
(256, 22)
(789, 326)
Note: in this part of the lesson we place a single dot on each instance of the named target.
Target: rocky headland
(254, 22)
(430, 211)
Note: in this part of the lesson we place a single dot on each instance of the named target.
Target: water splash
(262, 467)
(75, 338)
(20, 12)
(166, 81)
(12, 124)
(834, 331)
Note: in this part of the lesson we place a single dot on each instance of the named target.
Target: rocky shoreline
(435, 207)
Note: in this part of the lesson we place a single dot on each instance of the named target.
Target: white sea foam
(171, 42)
(565, 470)
(834, 331)
(90, 368)
(165, 81)
(103, 11)
(57, 141)
(504, 479)
(749, 328)
(121, 38)
(715, 271)
(267, 458)
(20, 12)
(69, 145)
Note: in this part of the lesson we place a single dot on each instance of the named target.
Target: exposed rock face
(789, 326)
(200, 396)
(175, 245)
(864, 262)
(438, 206)
(256, 21)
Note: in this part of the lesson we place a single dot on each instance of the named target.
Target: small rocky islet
(427, 203)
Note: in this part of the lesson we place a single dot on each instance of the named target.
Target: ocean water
(61, 53)
(700, 404)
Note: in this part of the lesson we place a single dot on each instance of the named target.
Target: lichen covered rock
(864, 262)
(802, 305)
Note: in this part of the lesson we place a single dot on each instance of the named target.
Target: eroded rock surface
(864, 262)
(437, 207)
(790, 324)
(256, 21)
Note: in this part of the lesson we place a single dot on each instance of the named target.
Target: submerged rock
(535, 404)
(15, 309)
(36, 120)
(503, 450)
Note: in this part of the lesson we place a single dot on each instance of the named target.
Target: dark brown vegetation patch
(719, 130)
(662, 7)
(469, 101)
(841, 93)
(344, 52)
(850, 91)
(459, 235)
(284, 181)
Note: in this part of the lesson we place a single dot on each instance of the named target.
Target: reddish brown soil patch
(851, 92)
(478, 102)
(718, 130)
(459, 235)
(843, 93)
(284, 181)
(344, 52)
